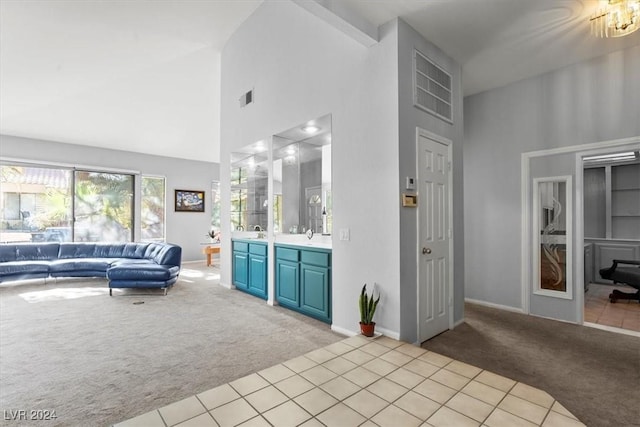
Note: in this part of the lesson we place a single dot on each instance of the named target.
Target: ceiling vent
(246, 98)
(431, 87)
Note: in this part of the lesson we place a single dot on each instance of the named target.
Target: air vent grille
(246, 98)
(432, 88)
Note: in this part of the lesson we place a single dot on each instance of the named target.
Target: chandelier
(616, 18)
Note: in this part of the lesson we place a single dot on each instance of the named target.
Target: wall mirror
(249, 188)
(302, 178)
(552, 236)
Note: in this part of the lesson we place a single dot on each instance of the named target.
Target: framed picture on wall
(189, 201)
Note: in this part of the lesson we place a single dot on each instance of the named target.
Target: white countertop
(317, 241)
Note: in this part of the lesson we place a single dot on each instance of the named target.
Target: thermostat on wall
(411, 183)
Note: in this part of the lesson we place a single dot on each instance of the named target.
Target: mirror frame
(550, 246)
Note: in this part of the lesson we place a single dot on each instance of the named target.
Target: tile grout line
(166, 424)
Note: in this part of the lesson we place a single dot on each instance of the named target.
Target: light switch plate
(345, 234)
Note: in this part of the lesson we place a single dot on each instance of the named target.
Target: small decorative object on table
(214, 236)
(367, 306)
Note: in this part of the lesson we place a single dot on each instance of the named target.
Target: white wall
(592, 101)
(186, 229)
(302, 68)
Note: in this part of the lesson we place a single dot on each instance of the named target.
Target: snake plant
(367, 306)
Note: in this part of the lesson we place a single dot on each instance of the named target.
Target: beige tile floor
(366, 382)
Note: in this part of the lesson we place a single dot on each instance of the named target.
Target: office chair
(627, 275)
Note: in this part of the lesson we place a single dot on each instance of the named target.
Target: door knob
(426, 250)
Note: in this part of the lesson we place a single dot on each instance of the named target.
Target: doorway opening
(611, 203)
(569, 161)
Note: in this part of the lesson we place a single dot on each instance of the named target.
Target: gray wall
(588, 102)
(186, 229)
(410, 118)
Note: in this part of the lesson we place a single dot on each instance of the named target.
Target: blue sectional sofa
(125, 265)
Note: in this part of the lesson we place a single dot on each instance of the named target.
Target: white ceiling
(144, 76)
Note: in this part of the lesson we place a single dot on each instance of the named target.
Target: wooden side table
(208, 250)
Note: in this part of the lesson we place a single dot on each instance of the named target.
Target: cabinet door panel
(241, 270)
(258, 275)
(287, 283)
(314, 286)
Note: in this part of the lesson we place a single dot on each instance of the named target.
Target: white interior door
(434, 237)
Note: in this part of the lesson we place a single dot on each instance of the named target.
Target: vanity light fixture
(310, 129)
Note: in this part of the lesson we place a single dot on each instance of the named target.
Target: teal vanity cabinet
(303, 280)
(249, 267)
(288, 277)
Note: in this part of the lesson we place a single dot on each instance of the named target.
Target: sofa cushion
(80, 264)
(142, 272)
(22, 267)
(38, 252)
(7, 253)
(131, 261)
(134, 250)
(164, 253)
(108, 250)
(76, 250)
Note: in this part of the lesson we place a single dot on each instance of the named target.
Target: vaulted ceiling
(145, 76)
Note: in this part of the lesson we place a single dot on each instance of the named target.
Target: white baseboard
(612, 329)
(387, 333)
(349, 333)
(226, 285)
(343, 331)
(493, 305)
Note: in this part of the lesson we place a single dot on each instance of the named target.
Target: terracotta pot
(367, 328)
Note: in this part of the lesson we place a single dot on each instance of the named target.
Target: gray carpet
(97, 360)
(595, 374)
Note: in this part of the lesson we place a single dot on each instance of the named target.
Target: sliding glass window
(103, 207)
(35, 204)
(63, 205)
(152, 209)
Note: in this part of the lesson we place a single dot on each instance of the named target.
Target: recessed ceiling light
(310, 129)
